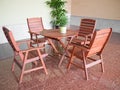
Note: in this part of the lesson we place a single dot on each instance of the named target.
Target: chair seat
(80, 41)
(77, 53)
(40, 40)
(33, 54)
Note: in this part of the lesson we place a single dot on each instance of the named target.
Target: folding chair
(85, 53)
(30, 55)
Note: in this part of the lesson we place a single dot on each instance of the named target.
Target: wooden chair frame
(35, 24)
(24, 54)
(84, 53)
(86, 30)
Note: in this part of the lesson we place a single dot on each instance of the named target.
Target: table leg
(53, 46)
(66, 53)
(63, 45)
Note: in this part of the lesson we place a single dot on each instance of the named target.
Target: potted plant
(63, 23)
(58, 13)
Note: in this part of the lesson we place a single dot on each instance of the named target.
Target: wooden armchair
(86, 30)
(84, 36)
(30, 55)
(36, 25)
(85, 53)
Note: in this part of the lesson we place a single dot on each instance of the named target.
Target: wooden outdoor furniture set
(83, 43)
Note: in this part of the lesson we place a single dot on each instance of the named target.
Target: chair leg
(61, 60)
(13, 65)
(22, 73)
(72, 54)
(43, 64)
(86, 73)
(45, 69)
(69, 65)
(102, 64)
(63, 56)
(84, 62)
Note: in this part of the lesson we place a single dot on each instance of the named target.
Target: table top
(56, 33)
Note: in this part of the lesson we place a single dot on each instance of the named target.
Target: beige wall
(68, 6)
(108, 9)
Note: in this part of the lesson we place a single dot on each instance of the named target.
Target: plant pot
(63, 29)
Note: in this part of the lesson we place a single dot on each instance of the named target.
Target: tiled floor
(61, 79)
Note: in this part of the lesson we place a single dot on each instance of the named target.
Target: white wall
(13, 14)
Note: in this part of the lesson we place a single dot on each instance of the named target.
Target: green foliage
(63, 21)
(58, 12)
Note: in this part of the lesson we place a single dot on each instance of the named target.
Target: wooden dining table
(51, 34)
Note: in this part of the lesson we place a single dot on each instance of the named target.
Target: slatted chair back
(85, 33)
(99, 41)
(87, 26)
(12, 42)
(11, 39)
(35, 24)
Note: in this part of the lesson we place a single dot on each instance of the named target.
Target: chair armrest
(32, 49)
(85, 34)
(36, 33)
(85, 48)
(71, 38)
(24, 41)
(28, 42)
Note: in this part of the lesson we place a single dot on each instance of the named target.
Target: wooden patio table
(51, 34)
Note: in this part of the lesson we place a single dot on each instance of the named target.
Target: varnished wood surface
(55, 34)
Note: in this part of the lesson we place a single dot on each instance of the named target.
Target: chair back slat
(100, 38)
(35, 24)
(11, 40)
(87, 26)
